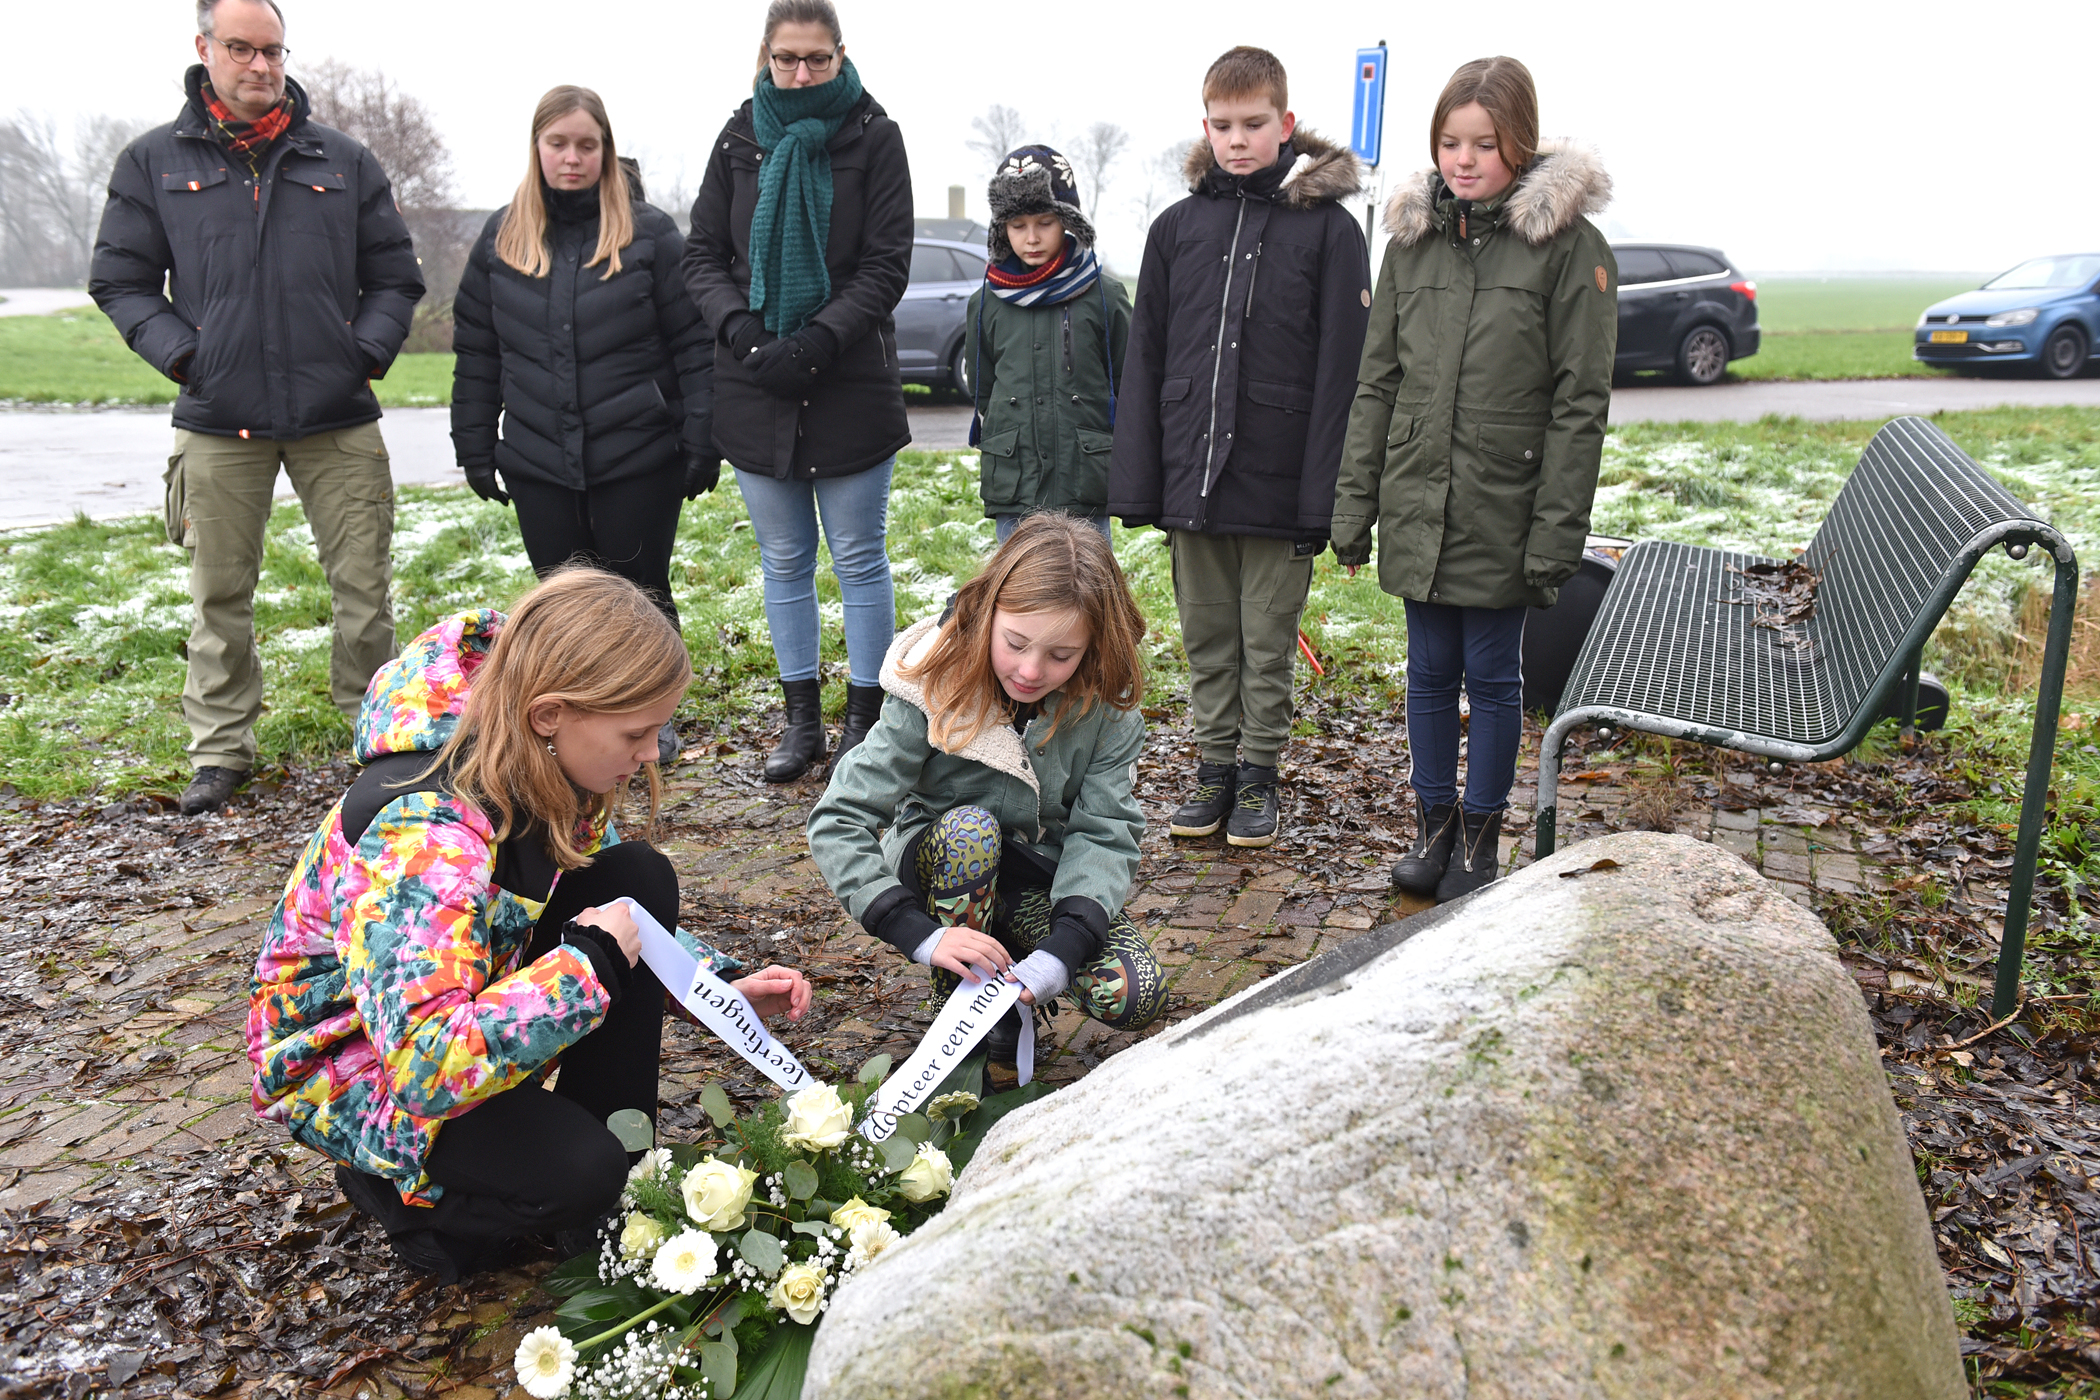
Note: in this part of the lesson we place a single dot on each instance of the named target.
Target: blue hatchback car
(2045, 313)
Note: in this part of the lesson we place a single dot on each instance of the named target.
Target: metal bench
(1678, 650)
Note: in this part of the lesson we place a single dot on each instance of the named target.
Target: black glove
(608, 963)
(744, 332)
(787, 368)
(702, 471)
(482, 481)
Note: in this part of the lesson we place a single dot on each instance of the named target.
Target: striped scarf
(1072, 271)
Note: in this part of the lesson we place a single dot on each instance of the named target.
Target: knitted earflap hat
(1034, 180)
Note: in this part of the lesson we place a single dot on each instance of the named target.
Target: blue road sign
(1367, 127)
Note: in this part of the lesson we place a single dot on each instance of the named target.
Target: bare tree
(399, 130)
(668, 185)
(999, 130)
(1093, 155)
(1164, 180)
(51, 195)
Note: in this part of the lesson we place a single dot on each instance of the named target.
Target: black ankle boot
(1477, 860)
(1436, 829)
(863, 708)
(802, 742)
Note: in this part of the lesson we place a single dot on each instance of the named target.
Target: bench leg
(2034, 799)
(1909, 712)
(1550, 745)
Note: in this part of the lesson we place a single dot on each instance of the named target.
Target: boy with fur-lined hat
(1046, 337)
(1252, 302)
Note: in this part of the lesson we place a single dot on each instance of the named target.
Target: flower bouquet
(712, 1276)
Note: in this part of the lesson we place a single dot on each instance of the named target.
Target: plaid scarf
(248, 140)
(1074, 269)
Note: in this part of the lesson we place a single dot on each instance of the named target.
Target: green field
(1789, 304)
(78, 357)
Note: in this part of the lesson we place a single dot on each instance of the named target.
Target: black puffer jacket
(595, 378)
(854, 416)
(286, 298)
(1251, 308)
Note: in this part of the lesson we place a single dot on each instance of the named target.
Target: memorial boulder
(1615, 1126)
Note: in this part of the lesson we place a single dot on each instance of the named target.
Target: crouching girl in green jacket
(1475, 438)
(986, 827)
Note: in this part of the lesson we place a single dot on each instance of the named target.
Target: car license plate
(1950, 337)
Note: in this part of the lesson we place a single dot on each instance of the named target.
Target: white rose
(641, 1236)
(870, 1238)
(799, 1292)
(856, 1212)
(716, 1193)
(685, 1262)
(546, 1363)
(817, 1119)
(930, 1174)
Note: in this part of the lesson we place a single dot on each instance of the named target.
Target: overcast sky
(1835, 135)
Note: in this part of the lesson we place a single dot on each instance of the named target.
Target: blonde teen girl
(450, 931)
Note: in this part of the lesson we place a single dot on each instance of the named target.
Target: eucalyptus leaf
(817, 1228)
(762, 1252)
(873, 1071)
(800, 1178)
(635, 1129)
(896, 1152)
(915, 1126)
(723, 1320)
(718, 1364)
(717, 1105)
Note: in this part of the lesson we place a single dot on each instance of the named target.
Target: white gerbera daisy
(685, 1262)
(546, 1363)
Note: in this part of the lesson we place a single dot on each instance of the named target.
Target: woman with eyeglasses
(574, 330)
(800, 246)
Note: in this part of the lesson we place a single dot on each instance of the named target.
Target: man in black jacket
(289, 282)
(1251, 308)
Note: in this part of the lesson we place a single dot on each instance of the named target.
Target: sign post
(1367, 124)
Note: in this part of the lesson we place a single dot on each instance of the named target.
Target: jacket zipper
(1253, 274)
(1068, 339)
(1217, 364)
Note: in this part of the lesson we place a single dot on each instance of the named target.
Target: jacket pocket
(175, 505)
(1273, 420)
(999, 467)
(1174, 390)
(1513, 442)
(1292, 398)
(1090, 487)
(192, 181)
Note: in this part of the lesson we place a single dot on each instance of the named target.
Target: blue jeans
(1483, 649)
(855, 511)
(1007, 524)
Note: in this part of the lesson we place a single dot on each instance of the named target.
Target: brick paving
(164, 1004)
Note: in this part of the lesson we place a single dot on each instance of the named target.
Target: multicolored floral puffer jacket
(388, 996)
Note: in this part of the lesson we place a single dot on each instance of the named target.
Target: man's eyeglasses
(275, 54)
(818, 62)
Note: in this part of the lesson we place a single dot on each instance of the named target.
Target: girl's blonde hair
(584, 637)
(1052, 563)
(1502, 87)
(522, 240)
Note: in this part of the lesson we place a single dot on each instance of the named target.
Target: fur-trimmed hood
(1322, 173)
(1565, 182)
(996, 745)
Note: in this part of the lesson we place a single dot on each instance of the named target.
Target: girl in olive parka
(1046, 337)
(1475, 437)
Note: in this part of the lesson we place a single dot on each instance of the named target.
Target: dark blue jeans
(1483, 650)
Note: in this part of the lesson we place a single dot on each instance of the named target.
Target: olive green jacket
(1066, 796)
(1042, 376)
(1480, 407)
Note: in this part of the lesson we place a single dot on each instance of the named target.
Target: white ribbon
(971, 1012)
(718, 1006)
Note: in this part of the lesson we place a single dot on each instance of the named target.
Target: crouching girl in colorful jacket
(986, 827)
(451, 930)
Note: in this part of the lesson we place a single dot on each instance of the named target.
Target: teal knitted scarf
(792, 223)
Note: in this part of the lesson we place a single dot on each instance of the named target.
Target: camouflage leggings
(958, 868)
